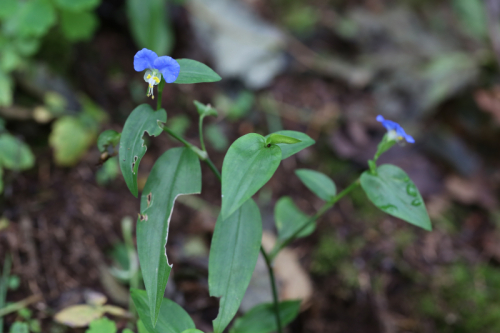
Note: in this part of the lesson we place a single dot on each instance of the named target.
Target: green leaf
(172, 319)
(8, 8)
(192, 330)
(233, 255)
(319, 183)
(176, 172)
(247, 166)
(289, 219)
(19, 327)
(77, 26)
(275, 139)
(205, 110)
(127, 331)
(70, 138)
(393, 192)
(150, 25)
(473, 18)
(15, 154)
(108, 138)
(6, 89)
(261, 318)
(288, 150)
(77, 5)
(32, 18)
(102, 325)
(193, 71)
(142, 120)
(216, 136)
(1, 179)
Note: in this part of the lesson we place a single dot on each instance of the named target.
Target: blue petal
(168, 67)
(144, 59)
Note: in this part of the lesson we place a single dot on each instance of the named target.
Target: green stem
(19, 305)
(269, 265)
(200, 129)
(278, 247)
(160, 91)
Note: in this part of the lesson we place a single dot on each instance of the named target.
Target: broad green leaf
(233, 255)
(19, 327)
(77, 5)
(247, 166)
(102, 325)
(77, 26)
(393, 192)
(288, 150)
(150, 25)
(261, 318)
(108, 138)
(127, 330)
(32, 18)
(176, 172)
(319, 183)
(6, 89)
(142, 120)
(193, 71)
(173, 318)
(289, 219)
(192, 330)
(70, 138)
(27, 46)
(15, 154)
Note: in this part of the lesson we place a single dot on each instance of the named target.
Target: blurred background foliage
(324, 67)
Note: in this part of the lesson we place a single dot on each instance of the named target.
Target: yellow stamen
(156, 79)
(148, 77)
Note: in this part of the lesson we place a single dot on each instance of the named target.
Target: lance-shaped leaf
(392, 191)
(142, 120)
(288, 149)
(233, 255)
(193, 71)
(318, 183)
(248, 165)
(261, 318)
(172, 319)
(289, 219)
(176, 172)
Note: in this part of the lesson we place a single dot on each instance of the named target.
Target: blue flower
(395, 131)
(156, 67)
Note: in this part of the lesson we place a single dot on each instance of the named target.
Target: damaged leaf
(176, 172)
(142, 120)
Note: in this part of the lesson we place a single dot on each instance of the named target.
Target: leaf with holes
(288, 149)
(173, 318)
(393, 192)
(233, 255)
(289, 219)
(318, 183)
(142, 120)
(248, 165)
(176, 172)
(261, 318)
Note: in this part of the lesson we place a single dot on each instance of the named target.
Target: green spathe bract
(233, 255)
(261, 318)
(392, 191)
(193, 71)
(247, 166)
(289, 219)
(173, 318)
(142, 120)
(176, 172)
(288, 149)
(319, 183)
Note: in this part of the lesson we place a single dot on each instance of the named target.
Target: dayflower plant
(395, 131)
(248, 165)
(156, 67)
